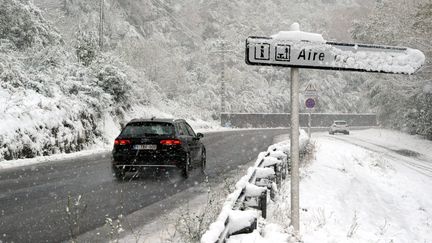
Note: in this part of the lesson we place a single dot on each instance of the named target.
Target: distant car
(339, 126)
(157, 143)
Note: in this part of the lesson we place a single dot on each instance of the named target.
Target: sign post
(297, 49)
(311, 93)
(309, 124)
(310, 104)
(295, 154)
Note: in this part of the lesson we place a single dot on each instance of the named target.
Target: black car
(157, 144)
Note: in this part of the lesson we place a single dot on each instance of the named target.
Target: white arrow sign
(332, 55)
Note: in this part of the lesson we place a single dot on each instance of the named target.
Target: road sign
(290, 49)
(311, 87)
(310, 103)
(332, 55)
(310, 90)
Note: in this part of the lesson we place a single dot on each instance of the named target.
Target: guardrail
(242, 207)
(247, 120)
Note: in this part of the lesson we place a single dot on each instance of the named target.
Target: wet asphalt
(53, 201)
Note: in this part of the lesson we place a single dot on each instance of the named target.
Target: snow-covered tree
(49, 101)
(86, 47)
(23, 25)
(401, 101)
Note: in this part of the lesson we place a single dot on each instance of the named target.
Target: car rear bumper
(136, 167)
(339, 130)
(148, 161)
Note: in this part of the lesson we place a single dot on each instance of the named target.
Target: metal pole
(223, 78)
(295, 157)
(309, 124)
(101, 22)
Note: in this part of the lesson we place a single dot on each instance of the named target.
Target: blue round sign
(310, 103)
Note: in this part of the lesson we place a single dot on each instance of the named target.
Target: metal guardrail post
(281, 172)
(263, 204)
(284, 169)
(278, 174)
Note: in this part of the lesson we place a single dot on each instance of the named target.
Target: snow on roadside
(110, 131)
(9, 164)
(349, 194)
(390, 139)
(217, 227)
(270, 233)
(198, 199)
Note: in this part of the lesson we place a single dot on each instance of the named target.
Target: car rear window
(143, 129)
(340, 123)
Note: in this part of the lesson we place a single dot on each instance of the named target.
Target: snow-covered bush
(55, 105)
(192, 225)
(24, 26)
(86, 47)
(114, 82)
(50, 100)
(38, 117)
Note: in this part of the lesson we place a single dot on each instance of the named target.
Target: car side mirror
(199, 135)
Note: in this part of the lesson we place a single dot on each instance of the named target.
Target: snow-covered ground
(357, 188)
(396, 140)
(8, 164)
(350, 192)
(411, 151)
(353, 192)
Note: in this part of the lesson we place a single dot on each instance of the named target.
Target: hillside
(179, 46)
(60, 92)
(53, 100)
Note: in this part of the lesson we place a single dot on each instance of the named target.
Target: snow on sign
(319, 54)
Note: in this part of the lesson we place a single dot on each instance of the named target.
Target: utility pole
(101, 24)
(223, 88)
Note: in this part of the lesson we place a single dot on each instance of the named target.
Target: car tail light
(122, 142)
(170, 142)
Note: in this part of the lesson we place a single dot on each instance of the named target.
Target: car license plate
(145, 146)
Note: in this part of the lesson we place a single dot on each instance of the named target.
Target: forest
(64, 87)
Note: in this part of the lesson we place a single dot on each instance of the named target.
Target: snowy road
(33, 199)
(420, 162)
(370, 186)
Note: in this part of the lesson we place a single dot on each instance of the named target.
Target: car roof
(339, 121)
(154, 119)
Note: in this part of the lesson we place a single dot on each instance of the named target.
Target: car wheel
(347, 133)
(331, 133)
(203, 162)
(185, 171)
(119, 174)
